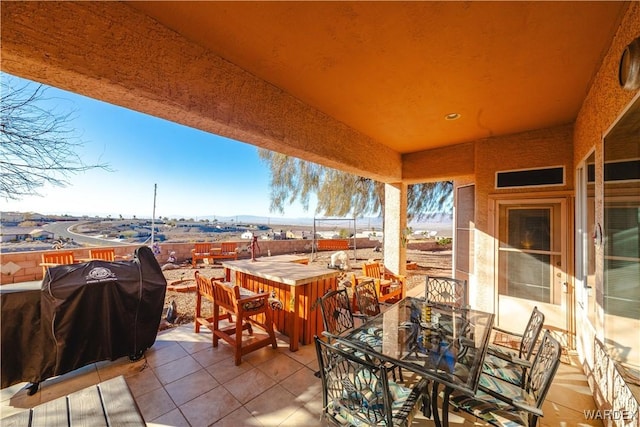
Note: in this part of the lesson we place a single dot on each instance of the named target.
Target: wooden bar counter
(298, 286)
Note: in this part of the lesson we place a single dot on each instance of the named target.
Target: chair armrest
(520, 404)
(504, 331)
(263, 295)
(398, 277)
(520, 362)
(511, 358)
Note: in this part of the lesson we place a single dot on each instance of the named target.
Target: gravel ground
(428, 262)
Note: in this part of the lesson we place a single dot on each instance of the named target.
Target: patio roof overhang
(360, 86)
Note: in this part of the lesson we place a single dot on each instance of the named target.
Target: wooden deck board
(53, 413)
(118, 402)
(109, 403)
(85, 408)
(20, 419)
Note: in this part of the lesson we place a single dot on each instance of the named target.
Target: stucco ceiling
(394, 70)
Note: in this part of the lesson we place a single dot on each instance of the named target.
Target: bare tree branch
(37, 145)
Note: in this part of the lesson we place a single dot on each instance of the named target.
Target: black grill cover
(102, 310)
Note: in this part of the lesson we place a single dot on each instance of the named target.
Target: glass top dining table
(442, 343)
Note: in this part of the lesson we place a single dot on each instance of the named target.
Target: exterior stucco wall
(438, 164)
(537, 149)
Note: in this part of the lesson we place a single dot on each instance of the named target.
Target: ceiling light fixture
(452, 116)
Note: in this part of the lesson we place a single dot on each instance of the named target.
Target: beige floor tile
(197, 343)
(239, 417)
(559, 415)
(155, 403)
(143, 382)
(211, 355)
(186, 333)
(313, 365)
(226, 369)
(570, 389)
(162, 340)
(273, 406)
(302, 417)
(176, 369)
(191, 386)
(280, 367)
(210, 407)
(249, 384)
(314, 406)
(305, 354)
(173, 418)
(165, 354)
(261, 355)
(303, 384)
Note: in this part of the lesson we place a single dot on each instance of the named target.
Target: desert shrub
(444, 241)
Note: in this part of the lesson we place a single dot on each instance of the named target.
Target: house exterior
(21, 234)
(547, 207)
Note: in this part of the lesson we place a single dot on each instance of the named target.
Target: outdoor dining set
(381, 362)
(396, 360)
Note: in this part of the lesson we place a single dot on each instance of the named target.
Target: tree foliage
(342, 194)
(37, 144)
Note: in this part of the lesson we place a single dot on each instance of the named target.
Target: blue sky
(198, 174)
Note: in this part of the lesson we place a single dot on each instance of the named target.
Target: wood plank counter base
(298, 286)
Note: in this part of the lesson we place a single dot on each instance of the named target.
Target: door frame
(566, 201)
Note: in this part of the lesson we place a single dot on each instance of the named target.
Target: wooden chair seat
(249, 309)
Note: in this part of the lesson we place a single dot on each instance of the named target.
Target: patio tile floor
(183, 381)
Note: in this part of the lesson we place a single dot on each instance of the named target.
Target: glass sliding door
(621, 242)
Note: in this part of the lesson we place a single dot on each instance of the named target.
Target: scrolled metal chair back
(353, 389)
(544, 368)
(367, 298)
(446, 290)
(531, 333)
(336, 312)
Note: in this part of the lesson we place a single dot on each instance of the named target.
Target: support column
(395, 224)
